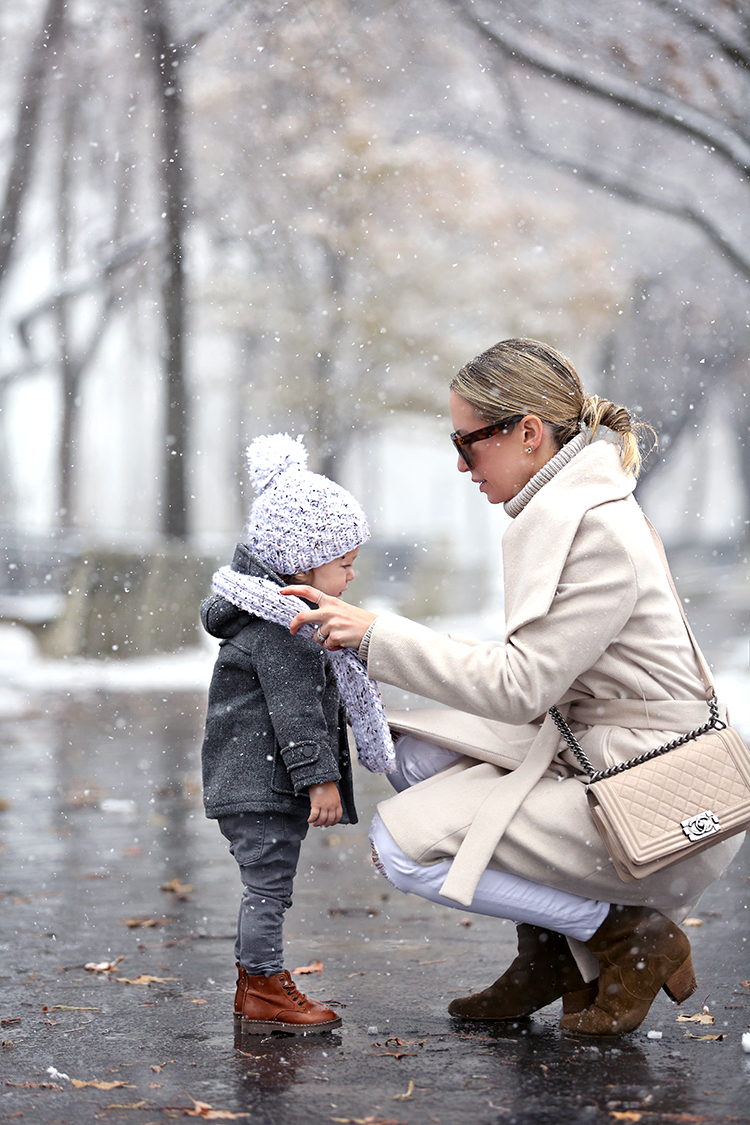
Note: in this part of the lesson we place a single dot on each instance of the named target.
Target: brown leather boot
(239, 995)
(543, 971)
(639, 951)
(266, 1004)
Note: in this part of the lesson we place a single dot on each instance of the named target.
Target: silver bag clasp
(701, 825)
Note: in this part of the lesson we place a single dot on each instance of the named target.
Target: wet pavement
(105, 856)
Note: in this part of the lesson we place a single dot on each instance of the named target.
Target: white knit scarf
(359, 693)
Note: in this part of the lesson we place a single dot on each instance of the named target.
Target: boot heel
(682, 983)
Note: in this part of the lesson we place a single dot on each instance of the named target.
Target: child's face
(333, 577)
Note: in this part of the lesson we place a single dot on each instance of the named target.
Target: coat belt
(675, 715)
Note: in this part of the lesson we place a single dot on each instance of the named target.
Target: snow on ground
(24, 673)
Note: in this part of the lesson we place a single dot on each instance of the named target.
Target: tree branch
(656, 202)
(734, 49)
(644, 196)
(122, 256)
(650, 104)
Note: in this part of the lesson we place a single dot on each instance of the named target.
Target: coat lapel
(552, 517)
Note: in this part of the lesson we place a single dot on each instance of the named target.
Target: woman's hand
(337, 624)
(325, 805)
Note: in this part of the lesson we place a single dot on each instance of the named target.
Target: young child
(275, 753)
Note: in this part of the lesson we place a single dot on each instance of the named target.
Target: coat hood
(220, 617)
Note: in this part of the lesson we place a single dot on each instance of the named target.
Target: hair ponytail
(598, 412)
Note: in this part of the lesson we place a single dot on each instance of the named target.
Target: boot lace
(292, 991)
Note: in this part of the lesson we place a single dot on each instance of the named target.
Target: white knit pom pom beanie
(299, 520)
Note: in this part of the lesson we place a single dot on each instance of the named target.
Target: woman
(592, 626)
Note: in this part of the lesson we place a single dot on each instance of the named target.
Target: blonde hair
(519, 377)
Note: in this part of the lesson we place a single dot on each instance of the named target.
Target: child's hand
(325, 805)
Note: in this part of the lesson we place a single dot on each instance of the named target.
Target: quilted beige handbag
(672, 802)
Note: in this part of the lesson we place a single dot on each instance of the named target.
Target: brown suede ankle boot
(543, 971)
(639, 951)
(265, 1004)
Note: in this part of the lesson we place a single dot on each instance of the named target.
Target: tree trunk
(166, 58)
(23, 145)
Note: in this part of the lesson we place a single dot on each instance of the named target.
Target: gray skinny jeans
(266, 847)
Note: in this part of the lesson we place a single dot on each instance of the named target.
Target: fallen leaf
(689, 1035)
(745, 983)
(464, 922)
(98, 1085)
(159, 1067)
(145, 979)
(314, 967)
(197, 1001)
(143, 923)
(692, 922)
(626, 1115)
(437, 961)
(367, 1121)
(35, 1085)
(405, 1097)
(207, 1113)
(699, 1017)
(177, 888)
(103, 966)
(10, 1019)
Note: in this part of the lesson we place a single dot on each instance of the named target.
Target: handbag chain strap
(714, 722)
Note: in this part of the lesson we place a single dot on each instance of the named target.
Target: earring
(529, 449)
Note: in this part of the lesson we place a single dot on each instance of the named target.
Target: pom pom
(273, 454)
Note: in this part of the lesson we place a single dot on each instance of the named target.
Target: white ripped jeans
(498, 893)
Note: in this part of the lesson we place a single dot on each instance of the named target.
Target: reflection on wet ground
(106, 859)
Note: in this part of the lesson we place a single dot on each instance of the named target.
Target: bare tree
(684, 73)
(650, 105)
(358, 254)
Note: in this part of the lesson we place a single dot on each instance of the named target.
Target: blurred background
(225, 218)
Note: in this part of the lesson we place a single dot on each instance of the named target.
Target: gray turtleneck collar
(571, 448)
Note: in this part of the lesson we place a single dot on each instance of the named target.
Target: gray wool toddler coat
(275, 724)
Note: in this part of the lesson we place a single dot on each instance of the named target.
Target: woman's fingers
(337, 624)
(308, 616)
(309, 593)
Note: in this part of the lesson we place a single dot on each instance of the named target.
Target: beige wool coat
(592, 626)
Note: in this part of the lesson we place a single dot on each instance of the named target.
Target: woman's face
(501, 465)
